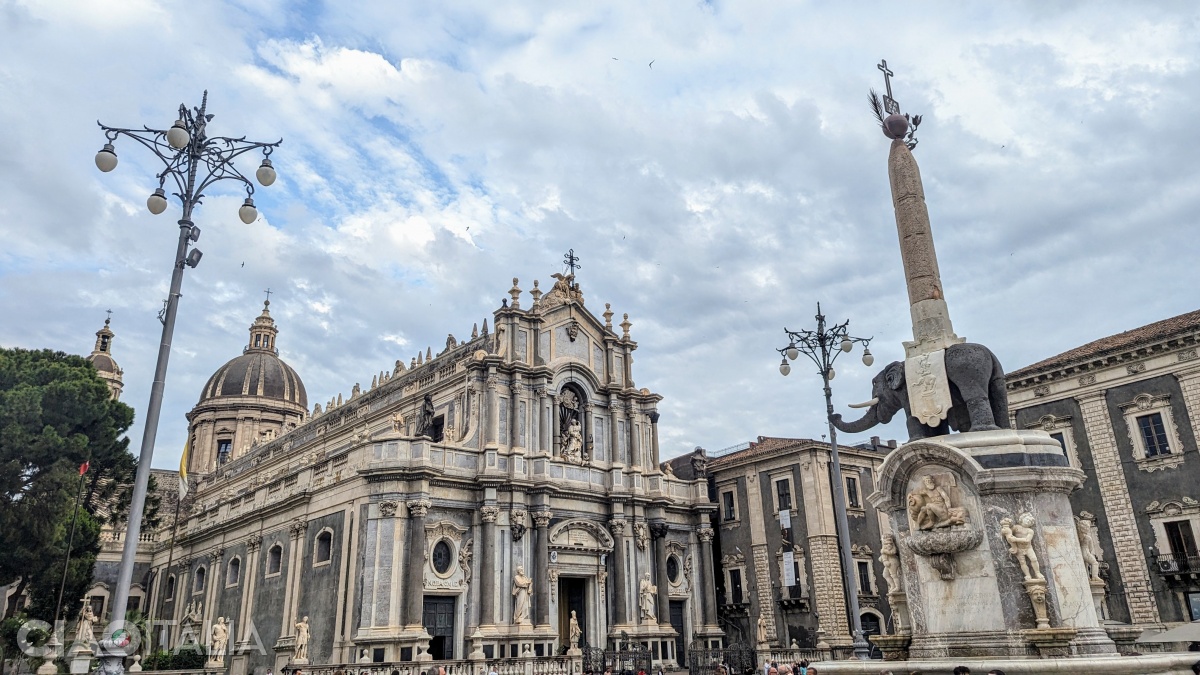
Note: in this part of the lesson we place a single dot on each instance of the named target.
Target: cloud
(431, 155)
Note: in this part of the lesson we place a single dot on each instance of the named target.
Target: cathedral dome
(102, 360)
(258, 372)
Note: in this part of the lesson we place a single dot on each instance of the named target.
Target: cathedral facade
(501, 498)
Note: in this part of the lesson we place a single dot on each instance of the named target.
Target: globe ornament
(895, 126)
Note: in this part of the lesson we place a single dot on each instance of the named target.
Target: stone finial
(374, 381)
(474, 330)
(420, 359)
(399, 367)
(536, 293)
(515, 292)
(339, 400)
(413, 363)
(484, 330)
(625, 326)
(608, 315)
(429, 353)
(316, 409)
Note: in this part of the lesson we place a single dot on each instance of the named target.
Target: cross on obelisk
(571, 261)
(889, 104)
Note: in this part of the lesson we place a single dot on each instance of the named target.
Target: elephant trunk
(868, 420)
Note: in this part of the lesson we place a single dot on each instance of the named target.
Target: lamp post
(823, 346)
(192, 161)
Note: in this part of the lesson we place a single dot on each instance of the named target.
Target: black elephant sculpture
(978, 398)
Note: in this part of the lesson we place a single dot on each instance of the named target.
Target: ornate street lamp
(823, 346)
(192, 161)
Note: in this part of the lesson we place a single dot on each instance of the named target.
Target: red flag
(84, 467)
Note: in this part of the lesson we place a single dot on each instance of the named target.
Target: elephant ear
(894, 375)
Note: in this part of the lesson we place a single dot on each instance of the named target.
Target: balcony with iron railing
(1177, 565)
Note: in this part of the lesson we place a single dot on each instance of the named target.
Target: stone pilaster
(248, 582)
(762, 587)
(658, 531)
(487, 571)
(620, 585)
(1189, 384)
(828, 590)
(414, 583)
(541, 564)
(708, 582)
(215, 582)
(1110, 476)
(292, 590)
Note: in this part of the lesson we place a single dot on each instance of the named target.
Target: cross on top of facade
(571, 261)
(889, 103)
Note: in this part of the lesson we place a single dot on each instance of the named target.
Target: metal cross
(572, 261)
(109, 313)
(268, 292)
(889, 103)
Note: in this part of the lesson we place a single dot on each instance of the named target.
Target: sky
(714, 165)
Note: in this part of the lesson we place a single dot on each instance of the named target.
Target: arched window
(274, 559)
(199, 585)
(234, 573)
(170, 590)
(323, 550)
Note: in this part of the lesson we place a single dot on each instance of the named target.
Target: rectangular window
(1193, 600)
(1154, 434)
(224, 447)
(783, 493)
(735, 586)
(1180, 539)
(864, 578)
(1062, 441)
(852, 493)
(727, 506)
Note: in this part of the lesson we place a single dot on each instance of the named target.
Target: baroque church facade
(501, 498)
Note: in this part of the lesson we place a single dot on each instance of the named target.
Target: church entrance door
(439, 623)
(572, 593)
(678, 607)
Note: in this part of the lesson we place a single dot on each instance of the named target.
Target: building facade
(1126, 410)
(779, 576)
(479, 503)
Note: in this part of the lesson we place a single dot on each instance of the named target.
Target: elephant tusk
(865, 404)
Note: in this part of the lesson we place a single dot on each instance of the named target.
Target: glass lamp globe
(793, 353)
(106, 159)
(157, 202)
(847, 345)
(266, 173)
(831, 372)
(248, 213)
(178, 135)
(868, 359)
(785, 368)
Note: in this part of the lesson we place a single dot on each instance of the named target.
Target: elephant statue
(979, 401)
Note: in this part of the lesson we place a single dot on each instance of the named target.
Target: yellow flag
(183, 485)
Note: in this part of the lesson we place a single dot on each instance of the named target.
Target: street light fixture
(193, 161)
(823, 346)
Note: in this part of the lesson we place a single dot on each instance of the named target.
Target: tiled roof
(1115, 344)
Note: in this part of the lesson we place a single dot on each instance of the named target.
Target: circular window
(441, 557)
(673, 569)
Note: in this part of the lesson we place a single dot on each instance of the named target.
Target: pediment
(584, 535)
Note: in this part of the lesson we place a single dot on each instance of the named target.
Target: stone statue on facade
(930, 508)
(573, 443)
(1085, 529)
(302, 633)
(84, 633)
(220, 638)
(889, 555)
(398, 422)
(1019, 536)
(763, 634)
(425, 424)
(576, 632)
(522, 587)
(646, 598)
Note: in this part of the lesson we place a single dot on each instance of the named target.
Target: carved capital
(654, 417)
(706, 535)
(388, 509)
(298, 528)
(489, 513)
(253, 543)
(659, 529)
(417, 508)
(542, 518)
(215, 555)
(617, 527)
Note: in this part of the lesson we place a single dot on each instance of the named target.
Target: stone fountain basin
(935, 542)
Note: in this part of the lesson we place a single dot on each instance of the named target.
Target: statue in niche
(576, 631)
(1019, 536)
(425, 424)
(889, 555)
(573, 443)
(570, 419)
(398, 422)
(522, 587)
(220, 638)
(1085, 529)
(930, 507)
(302, 633)
(646, 593)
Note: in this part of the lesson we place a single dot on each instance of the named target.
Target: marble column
(414, 582)
(708, 581)
(658, 531)
(620, 586)
(541, 564)
(487, 570)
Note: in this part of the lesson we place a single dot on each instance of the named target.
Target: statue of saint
(87, 618)
(762, 630)
(1020, 543)
(646, 592)
(576, 631)
(302, 633)
(425, 426)
(522, 587)
(930, 507)
(220, 638)
(398, 422)
(573, 442)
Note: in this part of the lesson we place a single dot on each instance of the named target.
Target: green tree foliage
(56, 414)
